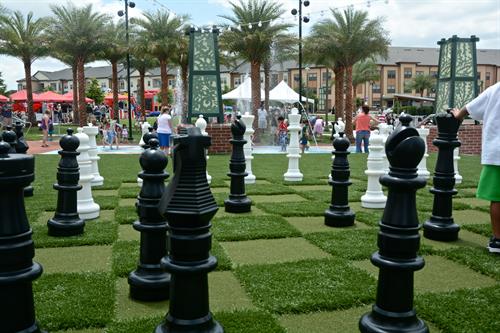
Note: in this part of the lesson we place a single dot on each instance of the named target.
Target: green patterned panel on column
(457, 77)
(205, 95)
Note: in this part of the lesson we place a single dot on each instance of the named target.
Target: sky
(419, 23)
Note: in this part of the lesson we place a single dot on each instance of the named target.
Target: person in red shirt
(362, 121)
(282, 133)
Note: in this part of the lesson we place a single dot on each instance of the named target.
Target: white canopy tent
(243, 91)
(283, 93)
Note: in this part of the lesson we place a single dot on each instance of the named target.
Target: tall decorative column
(17, 269)
(92, 131)
(441, 225)
(398, 240)
(201, 123)
(422, 166)
(66, 221)
(188, 206)
(87, 208)
(247, 148)
(374, 196)
(293, 173)
(456, 158)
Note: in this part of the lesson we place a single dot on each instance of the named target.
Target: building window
(122, 84)
(237, 81)
(103, 85)
(171, 83)
(434, 74)
(419, 73)
(408, 73)
(376, 88)
(479, 75)
(53, 86)
(488, 76)
(312, 77)
(329, 76)
(42, 86)
(391, 89)
(156, 83)
(223, 81)
(296, 77)
(149, 83)
(407, 88)
(376, 103)
(391, 74)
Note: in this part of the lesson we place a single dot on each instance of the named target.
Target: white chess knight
(374, 196)
(247, 148)
(92, 131)
(422, 166)
(145, 129)
(86, 207)
(339, 127)
(293, 173)
(201, 123)
(456, 158)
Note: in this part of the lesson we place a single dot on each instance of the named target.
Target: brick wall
(221, 134)
(468, 134)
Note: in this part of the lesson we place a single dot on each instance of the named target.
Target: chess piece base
(373, 201)
(88, 211)
(339, 218)
(149, 287)
(234, 205)
(63, 228)
(444, 230)
(189, 326)
(28, 191)
(293, 176)
(250, 179)
(97, 181)
(32, 329)
(381, 321)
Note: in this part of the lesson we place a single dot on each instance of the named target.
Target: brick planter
(469, 135)
(221, 134)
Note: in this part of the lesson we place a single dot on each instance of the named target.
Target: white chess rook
(201, 123)
(293, 173)
(86, 207)
(374, 196)
(247, 148)
(422, 167)
(92, 132)
(456, 158)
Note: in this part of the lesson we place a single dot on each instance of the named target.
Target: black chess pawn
(441, 226)
(22, 148)
(17, 269)
(10, 137)
(148, 136)
(188, 206)
(150, 281)
(398, 239)
(339, 214)
(238, 201)
(66, 221)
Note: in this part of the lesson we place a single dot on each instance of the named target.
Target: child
(104, 131)
(125, 134)
(486, 107)
(303, 138)
(282, 133)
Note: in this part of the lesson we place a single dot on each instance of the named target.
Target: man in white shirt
(486, 107)
(262, 118)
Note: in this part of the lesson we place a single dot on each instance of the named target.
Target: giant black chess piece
(398, 239)
(238, 201)
(10, 137)
(188, 206)
(22, 148)
(441, 226)
(150, 282)
(66, 221)
(339, 214)
(148, 136)
(17, 269)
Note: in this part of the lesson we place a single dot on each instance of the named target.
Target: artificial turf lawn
(279, 267)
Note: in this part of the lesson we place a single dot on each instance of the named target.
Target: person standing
(45, 128)
(486, 107)
(164, 129)
(262, 118)
(362, 121)
(318, 127)
(282, 133)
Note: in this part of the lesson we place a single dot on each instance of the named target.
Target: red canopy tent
(3, 99)
(22, 95)
(50, 96)
(120, 97)
(68, 97)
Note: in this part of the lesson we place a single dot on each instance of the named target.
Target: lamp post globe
(306, 3)
(131, 4)
(121, 13)
(294, 11)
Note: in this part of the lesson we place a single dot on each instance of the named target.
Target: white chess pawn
(293, 173)
(92, 132)
(456, 158)
(144, 129)
(86, 207)
(384, 132)
(422, 166)
(201, 123)
(247, 148)
(374, 196)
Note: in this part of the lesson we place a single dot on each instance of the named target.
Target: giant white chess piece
(339, 126)
(422, 167)
(201, 123)
(86, 207)
(144, 129)
(247, 148)
(384, 132)
(374, 196)
(92, 132)
(293, 173)
(456, 158)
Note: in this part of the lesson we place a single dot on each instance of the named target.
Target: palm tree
(161, 29)
(421, 82)
(114, 51)
(253, 43)
(364, 71)
(69, 60)
(79, 32)
(24, 39)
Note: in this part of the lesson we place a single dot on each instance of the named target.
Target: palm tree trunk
(348, 103)
(339, 92)
(29, 93)
(185, 85)
(267, 83)
(114, 78)
(142, 75)
(74, 107)
(164, 82)
(82, 112)
(255, 76)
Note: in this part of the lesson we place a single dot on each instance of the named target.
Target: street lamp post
(305, 19)
(129, 99)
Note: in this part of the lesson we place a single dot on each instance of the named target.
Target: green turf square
(469, 310)
(126, 215)
(278, 198)
(112, 193)
(266, 251)
(466, 192)
(129, 185)
(309, 181)
(326, 195)
(471, 202)
(90, 330)
(129, 192)
(308, 285)
(310, 224)
(481, 229)
(269, 189)
(74, 259)
(478, 259)
(470, 217)
(254, 212)
(220, 190)
(439, 275)
(70, 300)
(306, 208)
(106, 202)
(95, 233)
(349, 244)
(127, 233)
(42, 219)
(106, 215)
(308, 188)
(252, 227)
(127, 202)
(465, 239)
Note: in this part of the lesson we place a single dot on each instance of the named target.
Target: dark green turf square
(95, 233)
(125, 215)
(308, 208)
(129, 191)
(252, 227)
(106, 202)
(127, 202)
(270, 189)
(463, 217)
(349, 244)
(99, 192)
(326, 195)
(77, 301)
(479, 259)
(311, 224)
(308, 285)
(278, 198)
(481, 229)
(466, 239)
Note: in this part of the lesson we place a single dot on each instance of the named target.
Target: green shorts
(489, 183)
